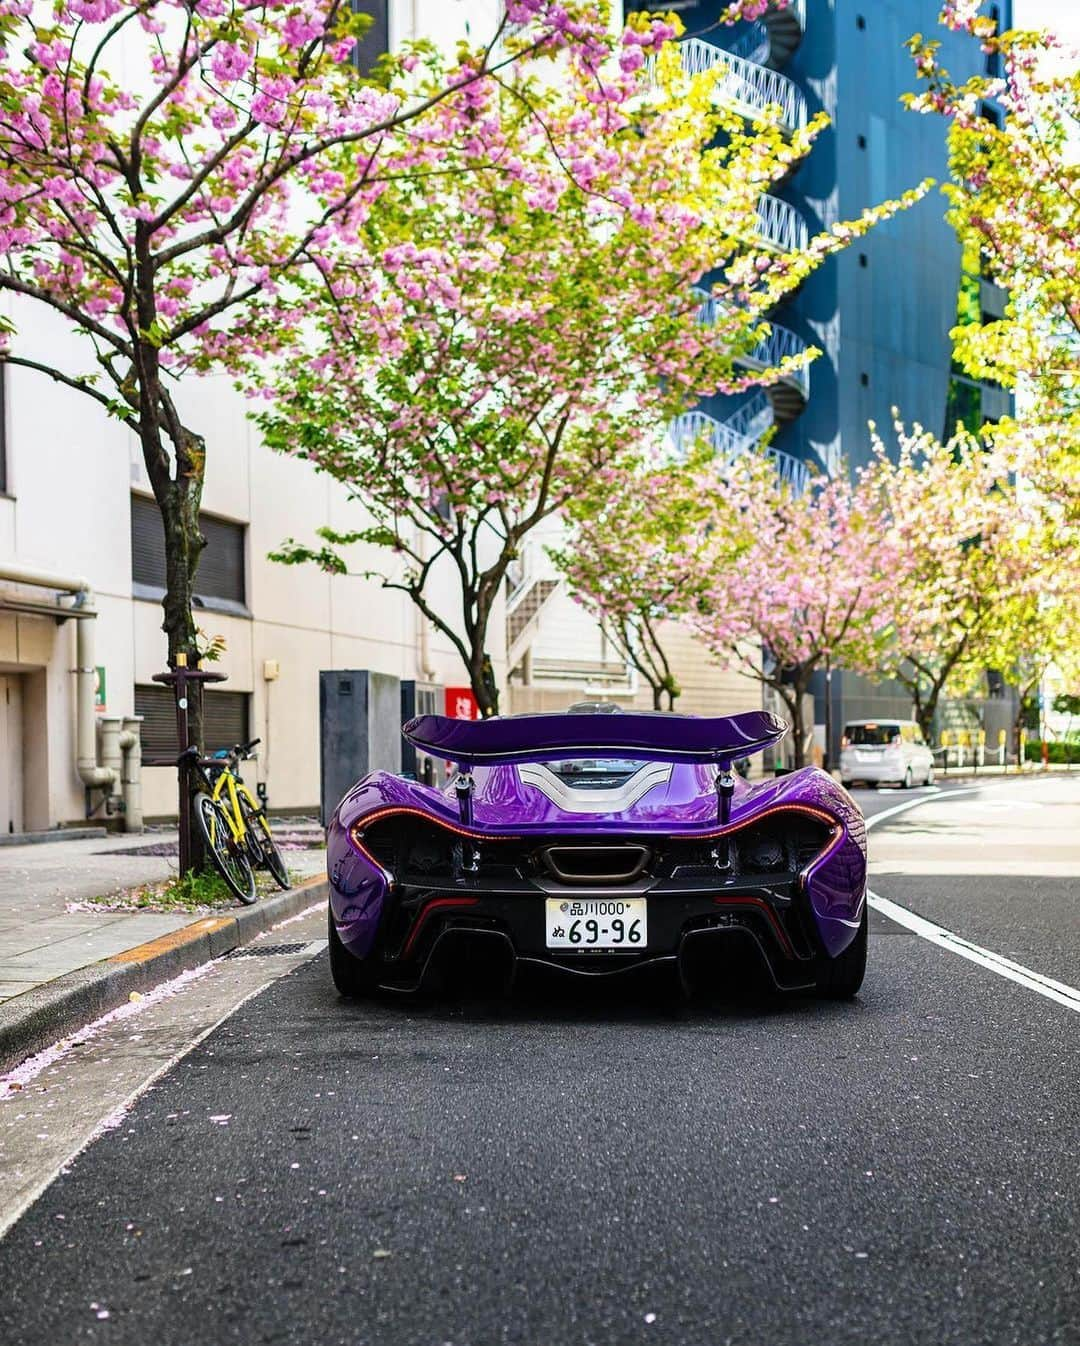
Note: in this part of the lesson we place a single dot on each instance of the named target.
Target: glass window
(376, 41)
(595, 773)
(873, 734)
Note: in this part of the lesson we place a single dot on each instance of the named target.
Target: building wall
(880, 311)
(71, 475)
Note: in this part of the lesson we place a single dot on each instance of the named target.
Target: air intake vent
(595, 864)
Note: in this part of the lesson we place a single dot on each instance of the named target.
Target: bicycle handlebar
(238, 751)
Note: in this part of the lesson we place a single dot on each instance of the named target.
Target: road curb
(38, 1018)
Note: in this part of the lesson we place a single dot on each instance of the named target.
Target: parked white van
(880, 751)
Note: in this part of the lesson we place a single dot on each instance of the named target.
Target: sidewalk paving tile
(41, 940)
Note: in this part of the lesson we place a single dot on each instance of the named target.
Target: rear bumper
(872, 771)
(424, 936)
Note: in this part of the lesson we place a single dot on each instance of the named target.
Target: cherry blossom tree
(160, 216)
(1014, 194)
(979, 556)
(633, 555)
(812, 584)
(493, 342)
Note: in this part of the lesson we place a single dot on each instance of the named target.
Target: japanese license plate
(596, 923)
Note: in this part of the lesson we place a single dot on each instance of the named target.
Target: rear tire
(929, 775)
(227, 855)
(353, 977)
(847, 784)
(840, 978)
(909, 779)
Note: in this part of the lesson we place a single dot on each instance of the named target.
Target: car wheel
(929, 775)
(840, 978)
(354, 977)
(909, 779)
(847, 784)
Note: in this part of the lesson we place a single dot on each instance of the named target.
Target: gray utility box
(359, 730)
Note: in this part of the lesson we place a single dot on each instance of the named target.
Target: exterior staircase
(523, 608)
(749, 82)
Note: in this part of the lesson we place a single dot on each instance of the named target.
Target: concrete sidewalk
(46, 930)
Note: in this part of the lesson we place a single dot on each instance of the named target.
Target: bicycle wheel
(268, 855)
(228, 855)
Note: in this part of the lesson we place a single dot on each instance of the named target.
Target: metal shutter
(147, 543)
(3, 430)
(225, 719)
(157, 706)
(221, 566)
(225, 716)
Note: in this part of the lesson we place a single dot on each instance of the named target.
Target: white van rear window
(876, 735)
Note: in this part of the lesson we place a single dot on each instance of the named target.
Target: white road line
(1068, 996)
(1057, 991)
(923, 799)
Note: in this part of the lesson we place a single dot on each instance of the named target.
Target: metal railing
(745, 85)
(687, 429)
(753, 45)
(780, 225)
(729, 444)
(790, 469)
(750, 421)
(779, 344)
(769, 351)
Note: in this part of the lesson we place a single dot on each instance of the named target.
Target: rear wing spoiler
(648, 736)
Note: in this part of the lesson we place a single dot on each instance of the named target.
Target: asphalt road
(571, 1168)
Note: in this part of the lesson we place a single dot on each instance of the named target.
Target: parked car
(595, 844)
(885, 752)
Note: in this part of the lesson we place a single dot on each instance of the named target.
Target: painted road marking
(1059, 992)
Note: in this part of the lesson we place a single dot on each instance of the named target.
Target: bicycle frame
(225, 789)
(228, 782)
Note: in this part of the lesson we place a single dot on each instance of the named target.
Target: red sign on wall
(461, 704)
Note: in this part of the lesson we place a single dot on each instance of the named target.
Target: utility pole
(186, 682)
(827, 763)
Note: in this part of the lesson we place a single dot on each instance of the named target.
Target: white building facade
(79, 534)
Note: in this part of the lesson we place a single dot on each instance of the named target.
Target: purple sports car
(597, 843)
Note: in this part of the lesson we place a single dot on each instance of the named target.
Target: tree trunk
(657, 696)
(798, 724)
(926, 710)
(484, 687)
(178, 499)
(784, 691)
(1018, 735)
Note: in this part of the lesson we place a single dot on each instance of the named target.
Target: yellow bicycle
(233, 824)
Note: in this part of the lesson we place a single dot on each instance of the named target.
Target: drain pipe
(131, 778)
(94, 777)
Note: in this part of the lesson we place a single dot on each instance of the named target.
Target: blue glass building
(880, 311)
